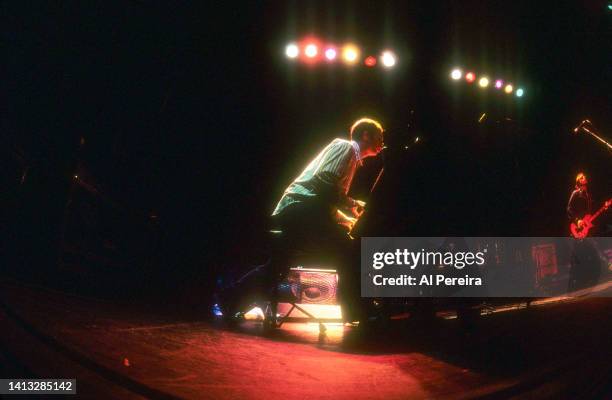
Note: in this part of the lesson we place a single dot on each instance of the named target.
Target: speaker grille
(313, 287)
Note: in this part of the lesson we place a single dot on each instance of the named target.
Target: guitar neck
(598, 212)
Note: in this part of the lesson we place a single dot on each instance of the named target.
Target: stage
(139, 351)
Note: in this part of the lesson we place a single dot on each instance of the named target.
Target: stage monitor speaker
(313, 285)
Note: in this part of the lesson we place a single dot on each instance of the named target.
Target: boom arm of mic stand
(602, 140)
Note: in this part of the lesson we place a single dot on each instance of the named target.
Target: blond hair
(362, 125)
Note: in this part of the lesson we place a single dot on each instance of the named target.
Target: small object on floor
(255, 313)
(216, 310)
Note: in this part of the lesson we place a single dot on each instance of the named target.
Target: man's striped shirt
(328, 176)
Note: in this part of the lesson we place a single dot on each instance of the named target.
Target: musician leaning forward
(317, 199)
(315, 214)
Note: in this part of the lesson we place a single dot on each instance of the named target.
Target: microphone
(581, 125)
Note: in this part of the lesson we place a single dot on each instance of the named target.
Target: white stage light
(456, 74)
(388, 59)
(292, 50)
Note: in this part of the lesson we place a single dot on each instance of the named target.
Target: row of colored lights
(484, 82)
(349, 53)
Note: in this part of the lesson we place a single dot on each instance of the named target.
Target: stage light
(255, 313)
(470, 77)
(519, 92)
(350, 53)
(292, 50)
(388, 59)
(456, 74)
(483, 82)
(498, 84)
(370, 61)
(331, 54)
(508, 88)
(311, 50)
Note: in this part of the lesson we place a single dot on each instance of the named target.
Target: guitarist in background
(579, 203)
(585, 264)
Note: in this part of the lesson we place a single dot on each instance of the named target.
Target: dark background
(183, 123)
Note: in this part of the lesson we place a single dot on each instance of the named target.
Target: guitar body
(582, 231)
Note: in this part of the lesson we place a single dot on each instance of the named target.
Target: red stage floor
(561, 348)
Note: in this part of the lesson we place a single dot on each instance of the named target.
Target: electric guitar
(580, 229)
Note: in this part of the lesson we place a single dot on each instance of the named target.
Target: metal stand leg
(271, 318)
(322, 327)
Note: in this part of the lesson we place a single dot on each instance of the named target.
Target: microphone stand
(583, 127)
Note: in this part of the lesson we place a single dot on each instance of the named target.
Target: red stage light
(370, 61)
(470, 77)
(311, 50)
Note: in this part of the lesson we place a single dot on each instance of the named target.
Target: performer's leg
(311, 229)
(344, 254)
